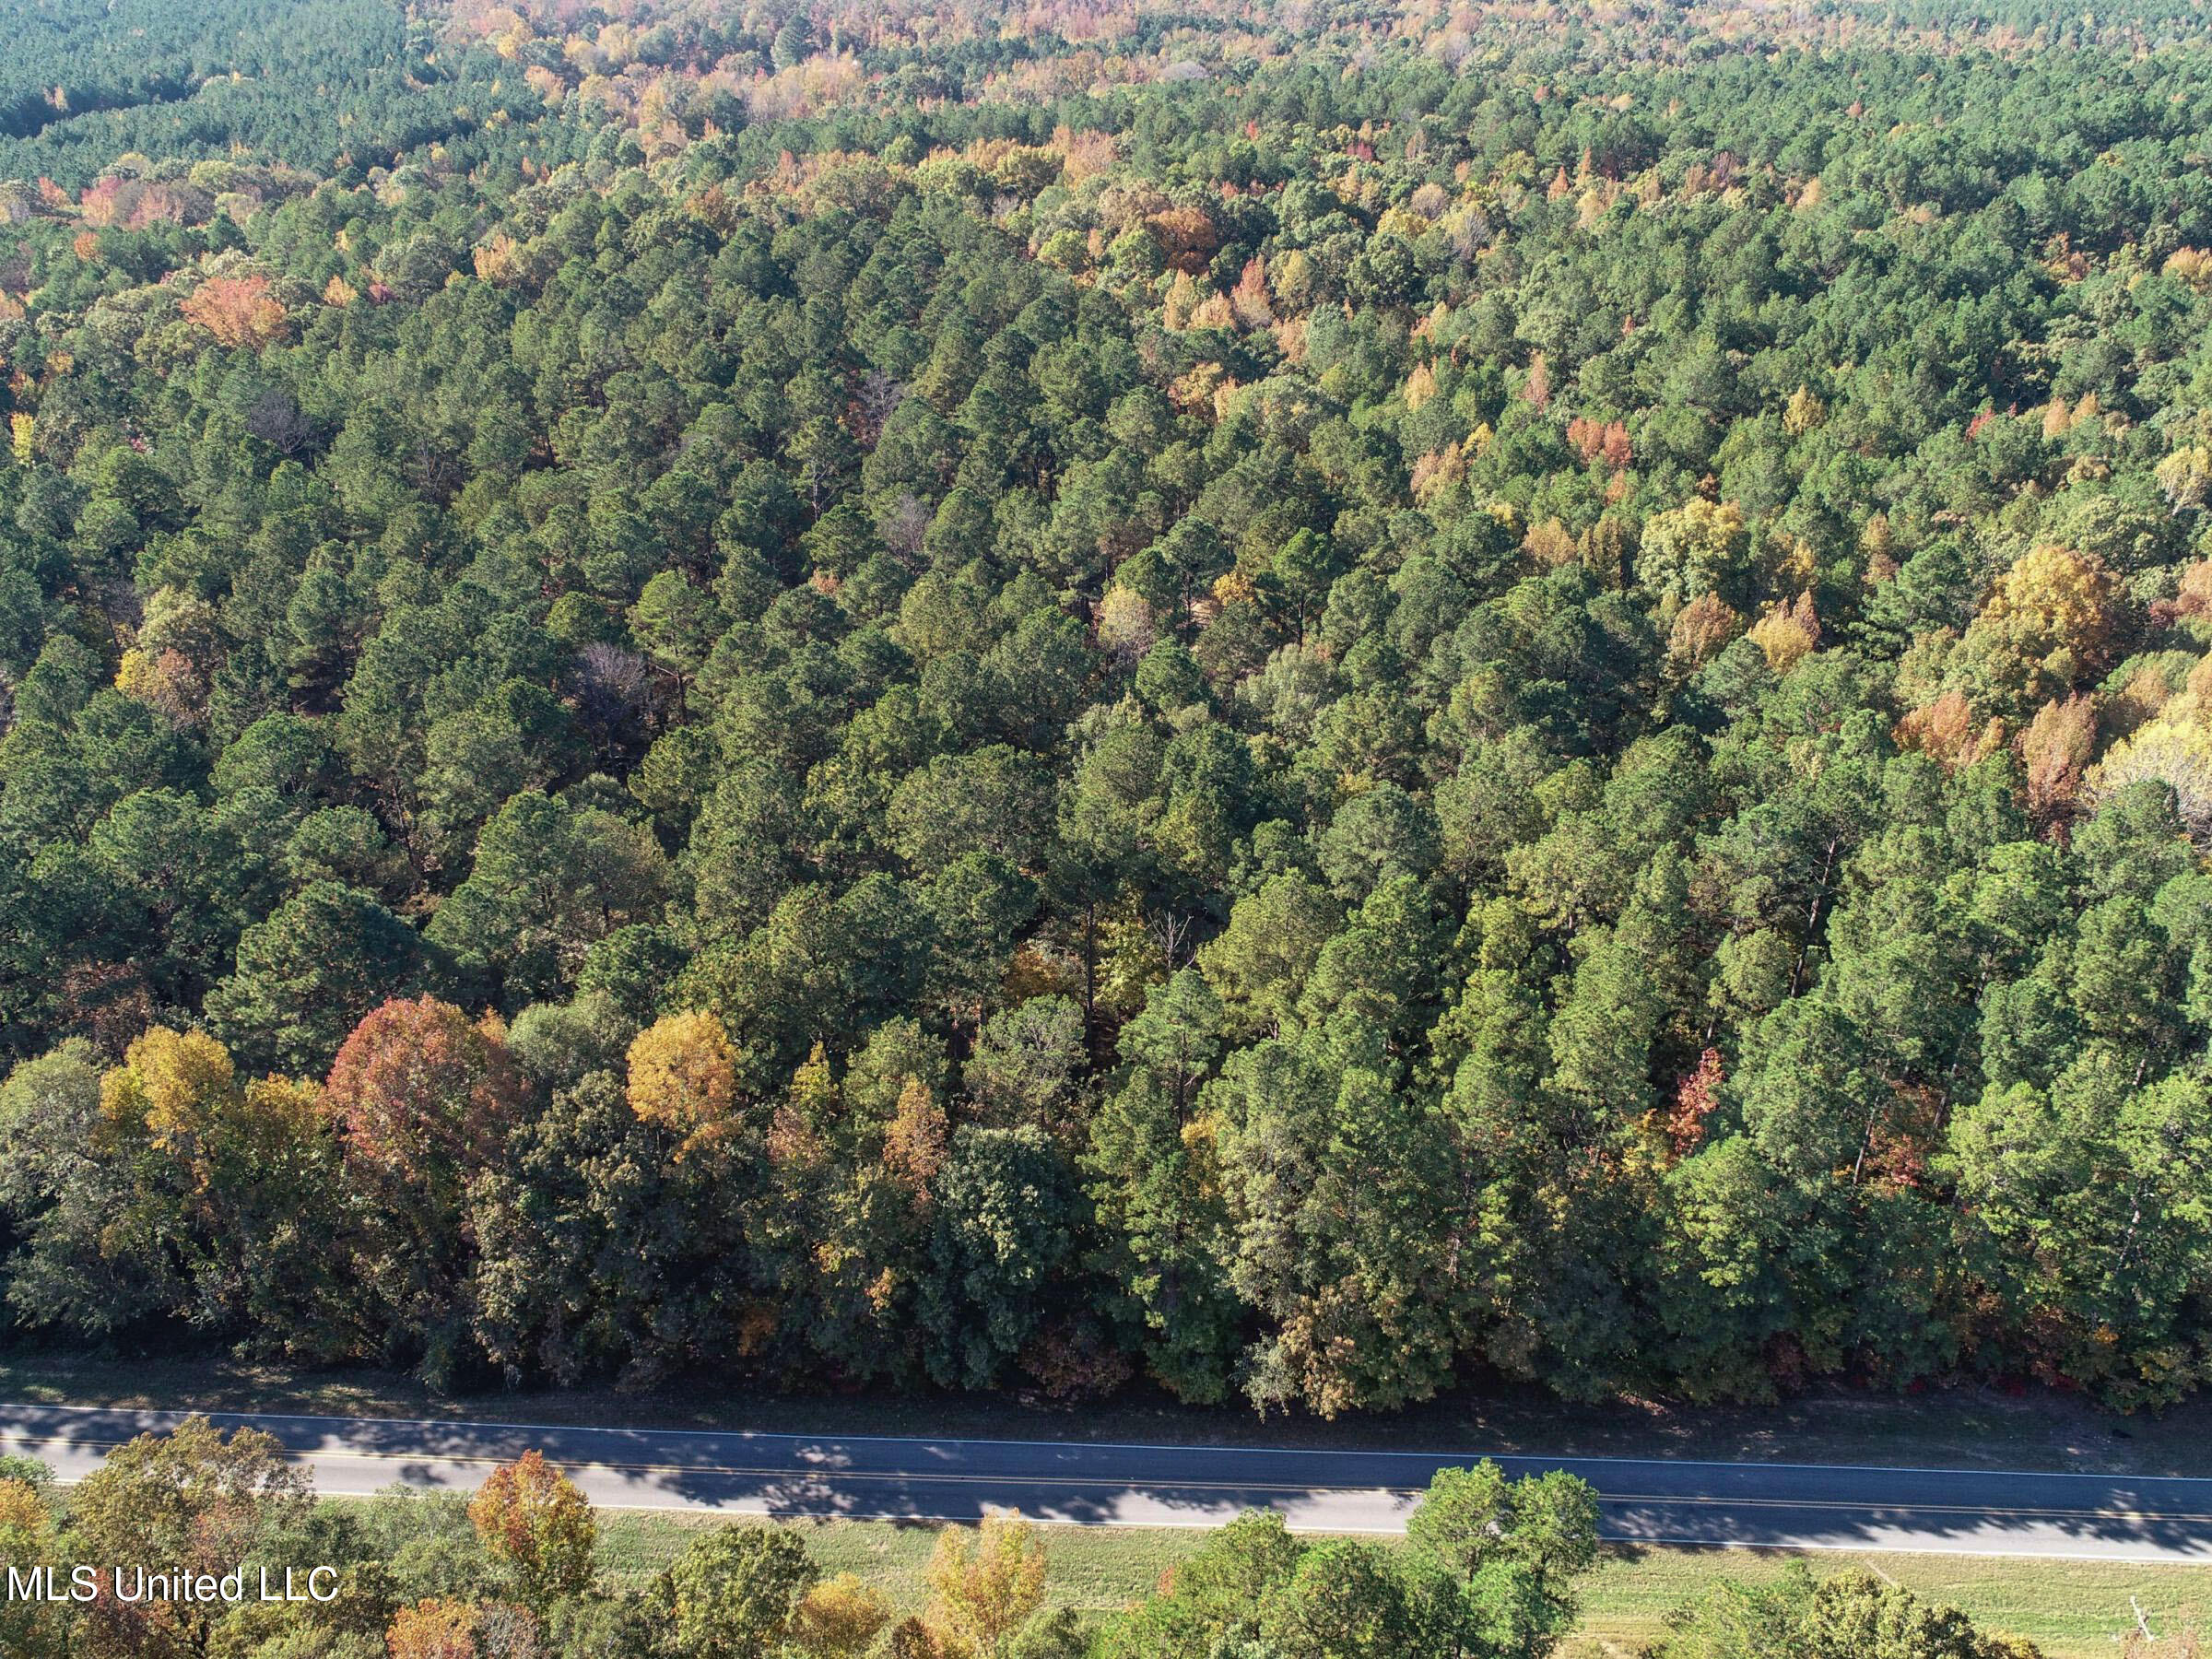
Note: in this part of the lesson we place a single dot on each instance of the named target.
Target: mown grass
(1093, 1569)
(2070, 1610)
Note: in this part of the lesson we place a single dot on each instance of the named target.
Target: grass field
(1093, 1569)
(2070, 1610)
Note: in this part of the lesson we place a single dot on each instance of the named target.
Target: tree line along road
(1802, 1506)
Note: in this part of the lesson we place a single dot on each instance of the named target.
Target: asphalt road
(1676, 1502)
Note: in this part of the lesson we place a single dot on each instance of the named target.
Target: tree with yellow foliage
(163, 680)
(2186, 476)
(683, 1075)
(2048, 626)
(915, 1141)
(2173, 748)
(176, 1085)
(1804, 412)
(496, 260)
(1698, 547)
(795, 1133)
(838, 1617)
(28, 1629)
(1787, 633)
(223, 1142)
(986, 1585)
(1125, 624)
(162, 1183)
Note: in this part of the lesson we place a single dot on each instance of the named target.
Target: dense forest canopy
(1313, 702)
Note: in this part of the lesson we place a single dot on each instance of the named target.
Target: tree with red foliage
(1694, 1103)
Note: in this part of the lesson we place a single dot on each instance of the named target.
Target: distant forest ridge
(341, 86)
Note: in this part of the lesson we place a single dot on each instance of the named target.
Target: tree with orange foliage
(422, 1098)
(1537, 388)
(1694, 1103)
(240, 312)
(1947, 731)
(166, 681)
(1250, 296)
(2055, 749)
(536, 1524)
(436, 1628)
(419, 1091)
(2195, 598)
(915, 1141)
(1601, 441)
(1705, 624)
(796, 1143)
(1187, 237)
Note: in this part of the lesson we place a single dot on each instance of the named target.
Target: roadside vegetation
(525, 1569)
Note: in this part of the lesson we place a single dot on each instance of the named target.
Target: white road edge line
(916, 1440)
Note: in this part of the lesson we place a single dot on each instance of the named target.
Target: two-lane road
(1800, 1506)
